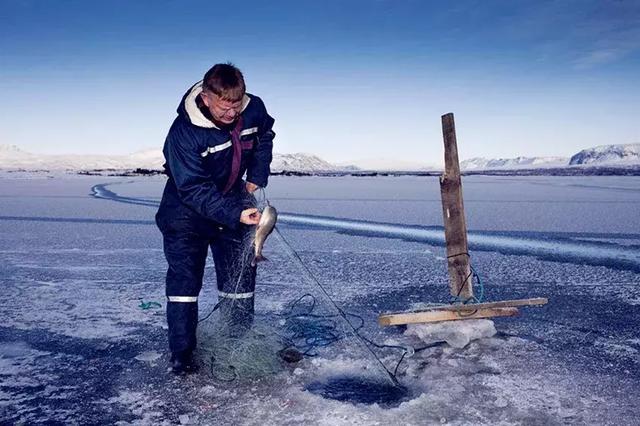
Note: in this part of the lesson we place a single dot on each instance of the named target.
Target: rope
(309, 274)
(473, 275)
(473, 299)
(217, 305)
(310, 331)
(148, 305)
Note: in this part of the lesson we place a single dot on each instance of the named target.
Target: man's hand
(250, 216)
(251, 187)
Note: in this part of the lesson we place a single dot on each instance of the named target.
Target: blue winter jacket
(199, 155)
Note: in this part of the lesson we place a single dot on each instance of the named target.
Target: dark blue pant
(187, 241)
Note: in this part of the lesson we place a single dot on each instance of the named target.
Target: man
(220, 133)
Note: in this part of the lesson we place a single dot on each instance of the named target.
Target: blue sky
(344, 79)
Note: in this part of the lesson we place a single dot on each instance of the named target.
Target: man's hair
(226, 81)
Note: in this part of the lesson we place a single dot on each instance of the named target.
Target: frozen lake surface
(76, 347)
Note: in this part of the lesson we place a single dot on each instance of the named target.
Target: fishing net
(228, 357)
(230, 345)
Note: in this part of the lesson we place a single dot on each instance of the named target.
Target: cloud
(611, 45)
(609, 33)
(600, 57)
(580, 33)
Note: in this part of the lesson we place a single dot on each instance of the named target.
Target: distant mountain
(608, 155)
(13, 158)
(480, 163)
(599, 156)
(301, 162)
(9, 150)
(612, 156)
(151, 159)
(385, 164)
(13, 153)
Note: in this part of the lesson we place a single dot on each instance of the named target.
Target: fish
(265, 227)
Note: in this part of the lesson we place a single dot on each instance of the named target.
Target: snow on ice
(75, 347)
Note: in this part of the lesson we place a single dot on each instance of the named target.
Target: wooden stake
(455, 227)
(459, 266)
(437, 316)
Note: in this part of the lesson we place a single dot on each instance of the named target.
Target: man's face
(223, 111)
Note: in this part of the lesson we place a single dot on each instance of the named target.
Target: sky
(345, 80)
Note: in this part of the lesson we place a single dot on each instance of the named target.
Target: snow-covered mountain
(479, 163)
(151, 159)
(608, 155)
(13, 158)
(603, 155)
(9, 153)
(301, 162)
(10, 150)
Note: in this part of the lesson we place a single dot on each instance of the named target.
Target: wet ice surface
(75, 347)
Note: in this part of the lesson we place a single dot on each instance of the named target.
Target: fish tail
(258, 258)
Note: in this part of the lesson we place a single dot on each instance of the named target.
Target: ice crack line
(557, 249)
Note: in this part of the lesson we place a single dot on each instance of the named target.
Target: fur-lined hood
(188, 107)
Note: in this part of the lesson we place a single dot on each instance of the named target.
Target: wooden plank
(455, 227)
(536, 301)
(437, 316)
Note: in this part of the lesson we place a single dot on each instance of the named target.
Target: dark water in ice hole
(359, 390)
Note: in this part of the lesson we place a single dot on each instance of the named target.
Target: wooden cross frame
(459, 266)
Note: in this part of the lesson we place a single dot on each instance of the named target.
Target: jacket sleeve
(258, 171)
(194, 184)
